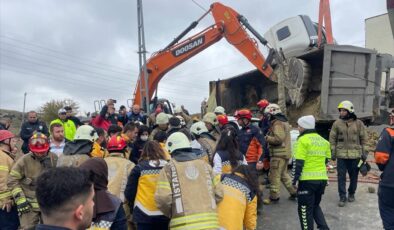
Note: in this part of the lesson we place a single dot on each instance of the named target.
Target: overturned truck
(322, 78)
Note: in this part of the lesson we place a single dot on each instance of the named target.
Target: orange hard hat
(263, 103)
(244, 113)
(222, 119)
(116, 143)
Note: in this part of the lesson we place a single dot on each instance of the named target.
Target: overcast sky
(86, 50)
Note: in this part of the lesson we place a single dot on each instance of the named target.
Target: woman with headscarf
(108, 212)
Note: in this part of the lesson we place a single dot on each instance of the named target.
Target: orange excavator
(228, 24)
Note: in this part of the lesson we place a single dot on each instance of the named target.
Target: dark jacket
(136, 150)
(76, 121)
(50, 227)
(27, 131)
(251, 142)
(384, 157)
(132, 117)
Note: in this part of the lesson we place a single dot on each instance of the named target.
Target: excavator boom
(228, 24)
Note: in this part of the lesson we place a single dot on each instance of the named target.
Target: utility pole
(144, 89)
(24, 107)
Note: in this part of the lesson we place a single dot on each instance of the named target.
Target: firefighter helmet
(162, 119)
(348, 105)
(243, 113)
(176, 141)
(5, 134)
(222, 119)
(263, 103)
(210, 118)
(39, 144)
(272, 109)
(198, 128)
(116, 143)
(86, 132)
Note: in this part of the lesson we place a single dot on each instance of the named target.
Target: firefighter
(187, 191)
(278, 139)
(8, 212)
(23, 176)
(119, 169)
(312, 153)
(347, 139)
(219, 111)
(223, 122)
(211, 123)
(385, 160)
(77, 151)
(204, 138)
(238, 209)
(141, 186)
(162, 123)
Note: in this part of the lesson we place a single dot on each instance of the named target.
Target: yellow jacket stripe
(213, 224)
(4, 168)
(5, 194)
(192, 218)
(15, 174)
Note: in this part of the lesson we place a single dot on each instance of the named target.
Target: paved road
(360, 215)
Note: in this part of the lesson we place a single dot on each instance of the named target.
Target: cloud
(87, 50)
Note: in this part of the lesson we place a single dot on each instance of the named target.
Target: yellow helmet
(346, 105)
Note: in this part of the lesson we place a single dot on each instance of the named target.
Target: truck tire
(297, 80)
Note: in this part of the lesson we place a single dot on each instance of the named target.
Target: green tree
(49, 109)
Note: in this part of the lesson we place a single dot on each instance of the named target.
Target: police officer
(311, 154)
(385, 160)
(347, 139)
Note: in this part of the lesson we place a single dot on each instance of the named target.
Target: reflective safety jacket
(313, 150)
(278, 138)
(238, 209)
(6, 163)
(119, 169)
(140, 190)
(384, 157)
(98, 151)
(251, 142)
(24, 174)
(69, 128)
(222, 164)
(348, 138)
(187, 192)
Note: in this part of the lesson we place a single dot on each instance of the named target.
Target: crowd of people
(128, 170)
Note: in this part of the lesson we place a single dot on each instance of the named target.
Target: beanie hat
(307, 122)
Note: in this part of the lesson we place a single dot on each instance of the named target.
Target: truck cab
(295, 36)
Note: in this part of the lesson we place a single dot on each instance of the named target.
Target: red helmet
(5, 134)
(116, 143)
(244, 113)
(262, 103)
(39, 144)
(222, 119)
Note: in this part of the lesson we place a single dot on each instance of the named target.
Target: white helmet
(176, 141)
(183, 123)
(161, 119)
(272, 109)
(219, 110)
(198, 128)
(178, 110)
(348, 105)
(86, 132)
(210, 118)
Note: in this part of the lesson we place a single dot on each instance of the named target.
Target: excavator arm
(228, 24)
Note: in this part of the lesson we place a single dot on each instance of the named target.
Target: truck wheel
(297, 80)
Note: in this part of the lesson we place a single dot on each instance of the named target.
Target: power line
(205, 10)
(65, 54)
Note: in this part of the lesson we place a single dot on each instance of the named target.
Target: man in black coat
(29, 127)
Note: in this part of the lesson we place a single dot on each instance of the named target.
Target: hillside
(16, 118)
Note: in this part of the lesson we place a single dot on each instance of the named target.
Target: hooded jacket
(75, 153)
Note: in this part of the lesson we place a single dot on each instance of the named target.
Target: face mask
(144, 138)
